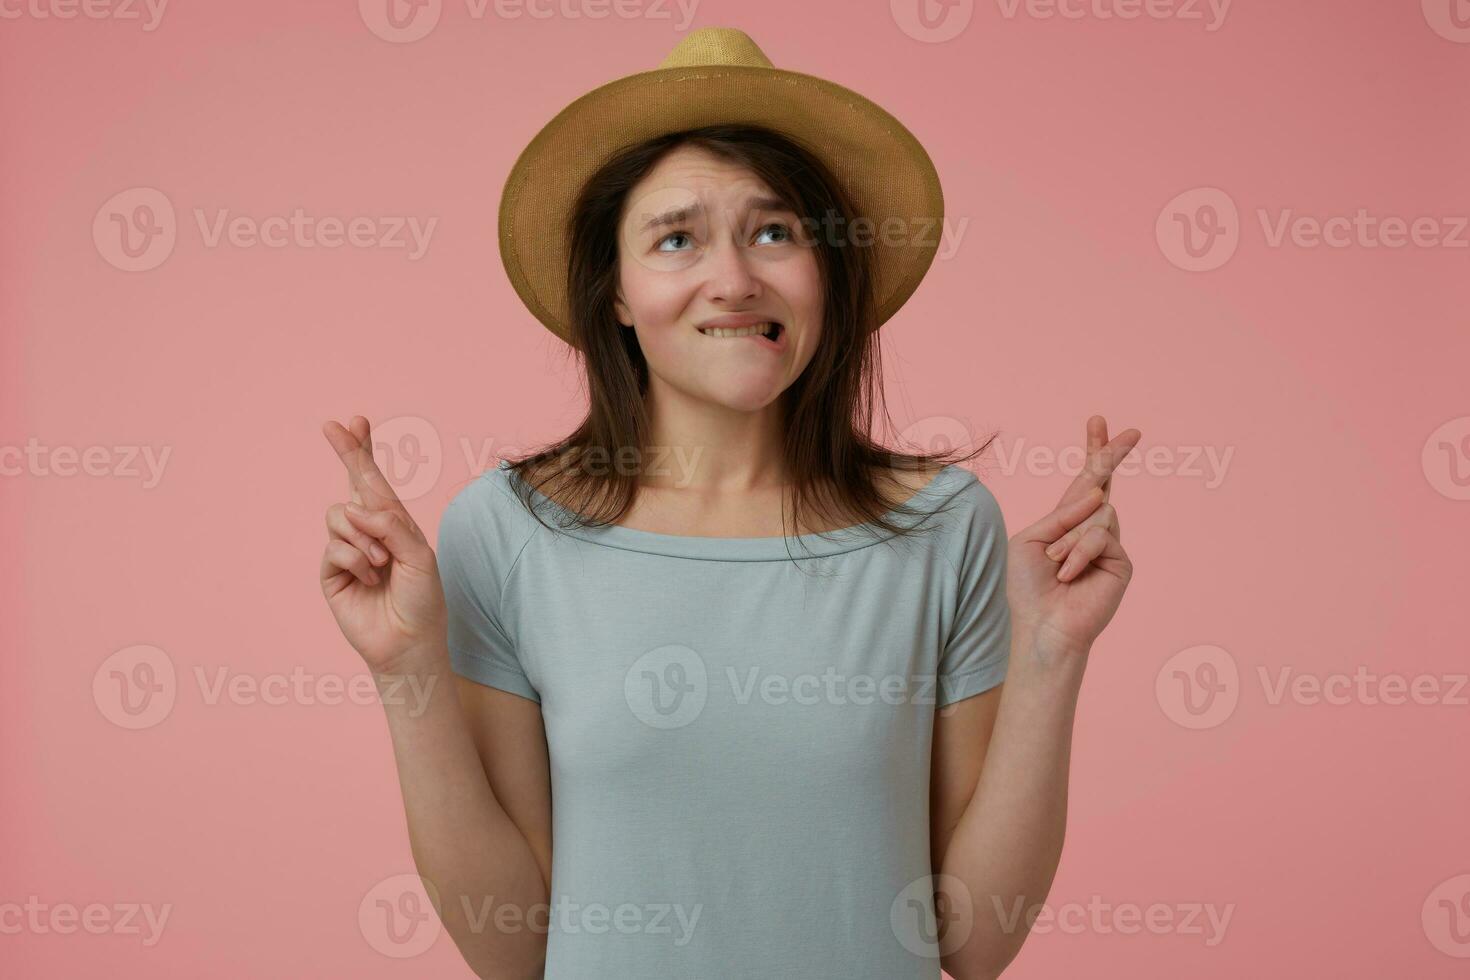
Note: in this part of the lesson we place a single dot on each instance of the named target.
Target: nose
(730, 276)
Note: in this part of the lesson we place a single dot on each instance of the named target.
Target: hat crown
(716, 46)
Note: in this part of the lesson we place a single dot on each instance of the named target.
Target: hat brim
(881, 164)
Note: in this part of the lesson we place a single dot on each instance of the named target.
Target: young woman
(727, 695)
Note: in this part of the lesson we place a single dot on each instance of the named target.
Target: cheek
(654, 300)
(801, 287)
(800, 283)
(662, 345)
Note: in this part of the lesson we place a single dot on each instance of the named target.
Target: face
(702, 243)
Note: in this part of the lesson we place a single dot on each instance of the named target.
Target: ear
(625, 316)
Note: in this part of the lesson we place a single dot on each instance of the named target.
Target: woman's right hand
(378, 572)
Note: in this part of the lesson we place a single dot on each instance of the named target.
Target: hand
(378, 572)
(1066, 573)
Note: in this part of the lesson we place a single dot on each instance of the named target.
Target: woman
(764, 737)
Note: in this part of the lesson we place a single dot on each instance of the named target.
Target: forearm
(1006, 846)
(462, 840)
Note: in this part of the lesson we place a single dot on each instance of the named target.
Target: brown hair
(828, 410)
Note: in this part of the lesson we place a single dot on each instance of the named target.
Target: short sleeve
(977, 649)
(477, 546)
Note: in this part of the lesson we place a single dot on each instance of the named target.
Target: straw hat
(719, 75)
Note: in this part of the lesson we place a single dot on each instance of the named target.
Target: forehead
(689, 174)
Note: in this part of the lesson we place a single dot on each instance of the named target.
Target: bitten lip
(737, 320)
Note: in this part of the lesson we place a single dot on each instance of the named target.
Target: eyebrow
(681, 214)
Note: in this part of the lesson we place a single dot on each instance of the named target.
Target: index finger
(1101, 459)
(367, 480)
(1097, 438)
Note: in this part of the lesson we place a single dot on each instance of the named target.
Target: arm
(472, 767)
(472, 761)
(1000, 804)
(1001, 758)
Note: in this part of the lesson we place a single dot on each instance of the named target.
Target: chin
(752, 398)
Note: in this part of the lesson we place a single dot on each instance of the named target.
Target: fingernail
(1053, 549)
(377, 552)
(357, 510)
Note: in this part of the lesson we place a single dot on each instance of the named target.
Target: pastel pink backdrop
(1328, 544)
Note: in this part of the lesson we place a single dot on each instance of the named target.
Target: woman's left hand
(1066, 573)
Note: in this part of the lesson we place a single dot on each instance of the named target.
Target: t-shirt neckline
(749, 549)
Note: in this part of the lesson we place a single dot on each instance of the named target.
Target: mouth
(771, 334)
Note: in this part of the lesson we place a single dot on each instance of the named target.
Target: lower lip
(778, 344)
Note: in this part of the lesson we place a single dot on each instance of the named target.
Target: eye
(674, 234)
(782, 226)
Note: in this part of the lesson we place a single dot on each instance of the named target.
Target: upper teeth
(736, 331)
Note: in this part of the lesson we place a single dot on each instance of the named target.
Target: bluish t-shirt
(739, 739)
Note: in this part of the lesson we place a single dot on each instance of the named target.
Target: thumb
(397, 532)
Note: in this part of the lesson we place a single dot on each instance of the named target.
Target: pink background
(1333, 541)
